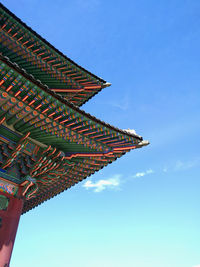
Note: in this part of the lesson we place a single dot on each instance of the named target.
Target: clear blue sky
(148, 215)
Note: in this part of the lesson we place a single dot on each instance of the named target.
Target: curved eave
(64, 101)
(81, 99)
(47, 43)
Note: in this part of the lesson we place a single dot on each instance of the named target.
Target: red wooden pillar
(10, 211)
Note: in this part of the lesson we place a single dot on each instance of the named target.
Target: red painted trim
(38, 106)
(32, 193)
(1, 82)
(14, 34)
(3, 26)
(31, 183)
(45, 110)
(9, 88)
(67, 90)
(48, 148)
(25, 98)
(2, 120)
(18, 92)
(123, 148)
(107, 154)
(25, 42)
(52, 152)
(24, 183)
(61, 122)
(93, 87)
(30, 46)
(58, 118)
(20, 38)
(50, 115)
(31, 102)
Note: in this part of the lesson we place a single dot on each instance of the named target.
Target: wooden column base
(10, 211)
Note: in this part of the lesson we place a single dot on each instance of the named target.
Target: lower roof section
(48, 144)
(30, 106)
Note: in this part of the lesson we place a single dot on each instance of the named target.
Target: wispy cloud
(184, 165)
(122, 104)
(141, 174)
(111, 183)
(196, 265)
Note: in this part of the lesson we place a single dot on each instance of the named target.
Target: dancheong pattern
(7, 187)
(47, 143)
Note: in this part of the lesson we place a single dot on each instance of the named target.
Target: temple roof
(84, 143)
(47, 143)
(46, 63)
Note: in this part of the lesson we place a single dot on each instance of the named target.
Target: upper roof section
(47, 64)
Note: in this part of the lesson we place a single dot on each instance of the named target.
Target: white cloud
(196, 265)
(101, 185)
(141, 174)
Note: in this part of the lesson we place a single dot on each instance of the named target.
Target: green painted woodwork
(4, 201)
(11, 178)
(9, 134)
(73, 118)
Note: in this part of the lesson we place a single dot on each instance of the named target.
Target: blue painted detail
(5, 138)
(29, 178)
(14, 133)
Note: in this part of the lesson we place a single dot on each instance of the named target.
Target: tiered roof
(47, 143)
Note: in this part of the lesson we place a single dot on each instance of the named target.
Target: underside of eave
(64, 101)
(62, 186)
